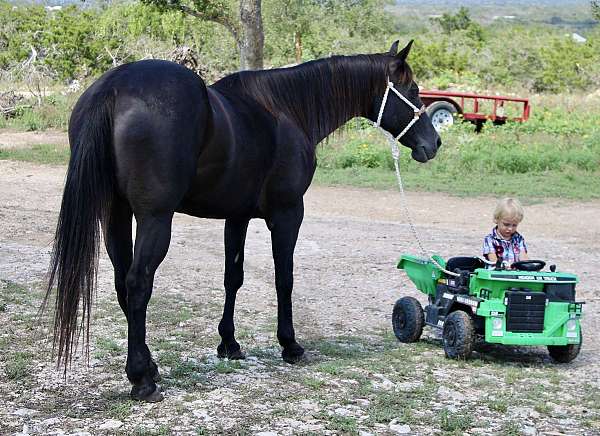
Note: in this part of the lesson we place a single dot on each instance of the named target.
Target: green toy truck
(521, 306)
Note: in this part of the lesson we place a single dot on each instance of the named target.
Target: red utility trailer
(444, 106)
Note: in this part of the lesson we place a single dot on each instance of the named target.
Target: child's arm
(523, 250)
(488, 249)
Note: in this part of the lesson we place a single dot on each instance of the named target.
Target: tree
(246, 28)
(299, 30)
(461, 21)
(595, 5)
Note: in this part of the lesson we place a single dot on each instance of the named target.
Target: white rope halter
(396, 154)
(418, 112)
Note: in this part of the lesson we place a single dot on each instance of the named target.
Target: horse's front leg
(284, 225)
(151, 244)
(235, 237)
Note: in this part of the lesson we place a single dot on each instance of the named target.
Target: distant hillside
(574, 15)
(569, 14)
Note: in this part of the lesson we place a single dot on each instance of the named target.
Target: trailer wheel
(442, 114)
(565, 353)
(458, 335)
(408, 319)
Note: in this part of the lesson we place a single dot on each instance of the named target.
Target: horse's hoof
(143, 394)
(236, 355)
(293, 354)
(227, 352)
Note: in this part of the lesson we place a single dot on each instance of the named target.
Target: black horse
(149, 139)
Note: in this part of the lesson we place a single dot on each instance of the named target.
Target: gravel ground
(356, 379)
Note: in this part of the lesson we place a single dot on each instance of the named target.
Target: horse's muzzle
(424, 152)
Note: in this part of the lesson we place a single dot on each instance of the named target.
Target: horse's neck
(319, 96)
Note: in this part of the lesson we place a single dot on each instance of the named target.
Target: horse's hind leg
(151, 244)
(119, 246)
(235, 237)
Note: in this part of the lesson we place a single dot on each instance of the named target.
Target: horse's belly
(225, 201)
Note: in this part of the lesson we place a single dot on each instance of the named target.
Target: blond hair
(509, 208)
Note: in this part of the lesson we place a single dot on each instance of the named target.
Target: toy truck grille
(525, 311)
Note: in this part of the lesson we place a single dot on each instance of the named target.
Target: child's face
(507, 226)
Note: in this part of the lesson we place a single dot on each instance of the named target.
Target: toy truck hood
(526, 276)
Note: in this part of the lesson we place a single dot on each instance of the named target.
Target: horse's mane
(323, 94)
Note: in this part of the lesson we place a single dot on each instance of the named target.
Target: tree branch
(223, 20)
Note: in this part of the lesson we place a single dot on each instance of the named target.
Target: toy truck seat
(464, 263)
(464, 266)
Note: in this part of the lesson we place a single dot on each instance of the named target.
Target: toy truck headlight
(497, 323)
(571, 325)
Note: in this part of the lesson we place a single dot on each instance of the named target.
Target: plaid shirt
(509, 251)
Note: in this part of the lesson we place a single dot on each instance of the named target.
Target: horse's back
(159, 113)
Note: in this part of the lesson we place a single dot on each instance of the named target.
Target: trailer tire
(458, 335)
(565, 353)
(408, 319)
(442, 114)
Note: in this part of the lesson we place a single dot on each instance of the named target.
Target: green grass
(344, 424)
(497, 405)
(575, 185)
(312, 383)
(454, 423)
(18, 365)
(547, 158)
(48, 154)
(107, 346)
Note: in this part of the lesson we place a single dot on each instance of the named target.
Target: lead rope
(396, 155)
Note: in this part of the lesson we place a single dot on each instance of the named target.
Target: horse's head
(400, 111)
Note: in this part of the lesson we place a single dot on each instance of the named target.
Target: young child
(504, 242)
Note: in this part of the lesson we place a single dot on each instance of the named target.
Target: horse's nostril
(439, 142)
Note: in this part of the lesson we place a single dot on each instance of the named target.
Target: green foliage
(356, 152)
(52, 113)
(557, 144)
(20, 29)
(76, 42)
(595, 5)
(74, 49)
(323, 28)
(460, 22)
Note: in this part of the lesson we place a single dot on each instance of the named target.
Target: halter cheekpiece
(418, 112)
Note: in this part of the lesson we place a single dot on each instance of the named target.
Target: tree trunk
(298, 46)
(252, 39)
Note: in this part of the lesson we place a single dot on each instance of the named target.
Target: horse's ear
(404, 52)
(394, 48)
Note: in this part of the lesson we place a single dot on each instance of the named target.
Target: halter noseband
(418, 112)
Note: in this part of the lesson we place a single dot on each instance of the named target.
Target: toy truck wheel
(458, 335)
(408, 319)
(565, 353)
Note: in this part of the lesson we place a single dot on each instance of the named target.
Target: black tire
(565, 353)
(458, 335)
(408, 319)
(442, 114)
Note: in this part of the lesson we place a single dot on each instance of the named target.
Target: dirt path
(18, 139)
(345, 282)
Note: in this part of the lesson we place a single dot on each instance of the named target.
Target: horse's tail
(85, 204)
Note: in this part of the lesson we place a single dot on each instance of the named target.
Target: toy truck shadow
(516, 307)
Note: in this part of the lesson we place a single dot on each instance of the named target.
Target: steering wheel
(529, 265)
